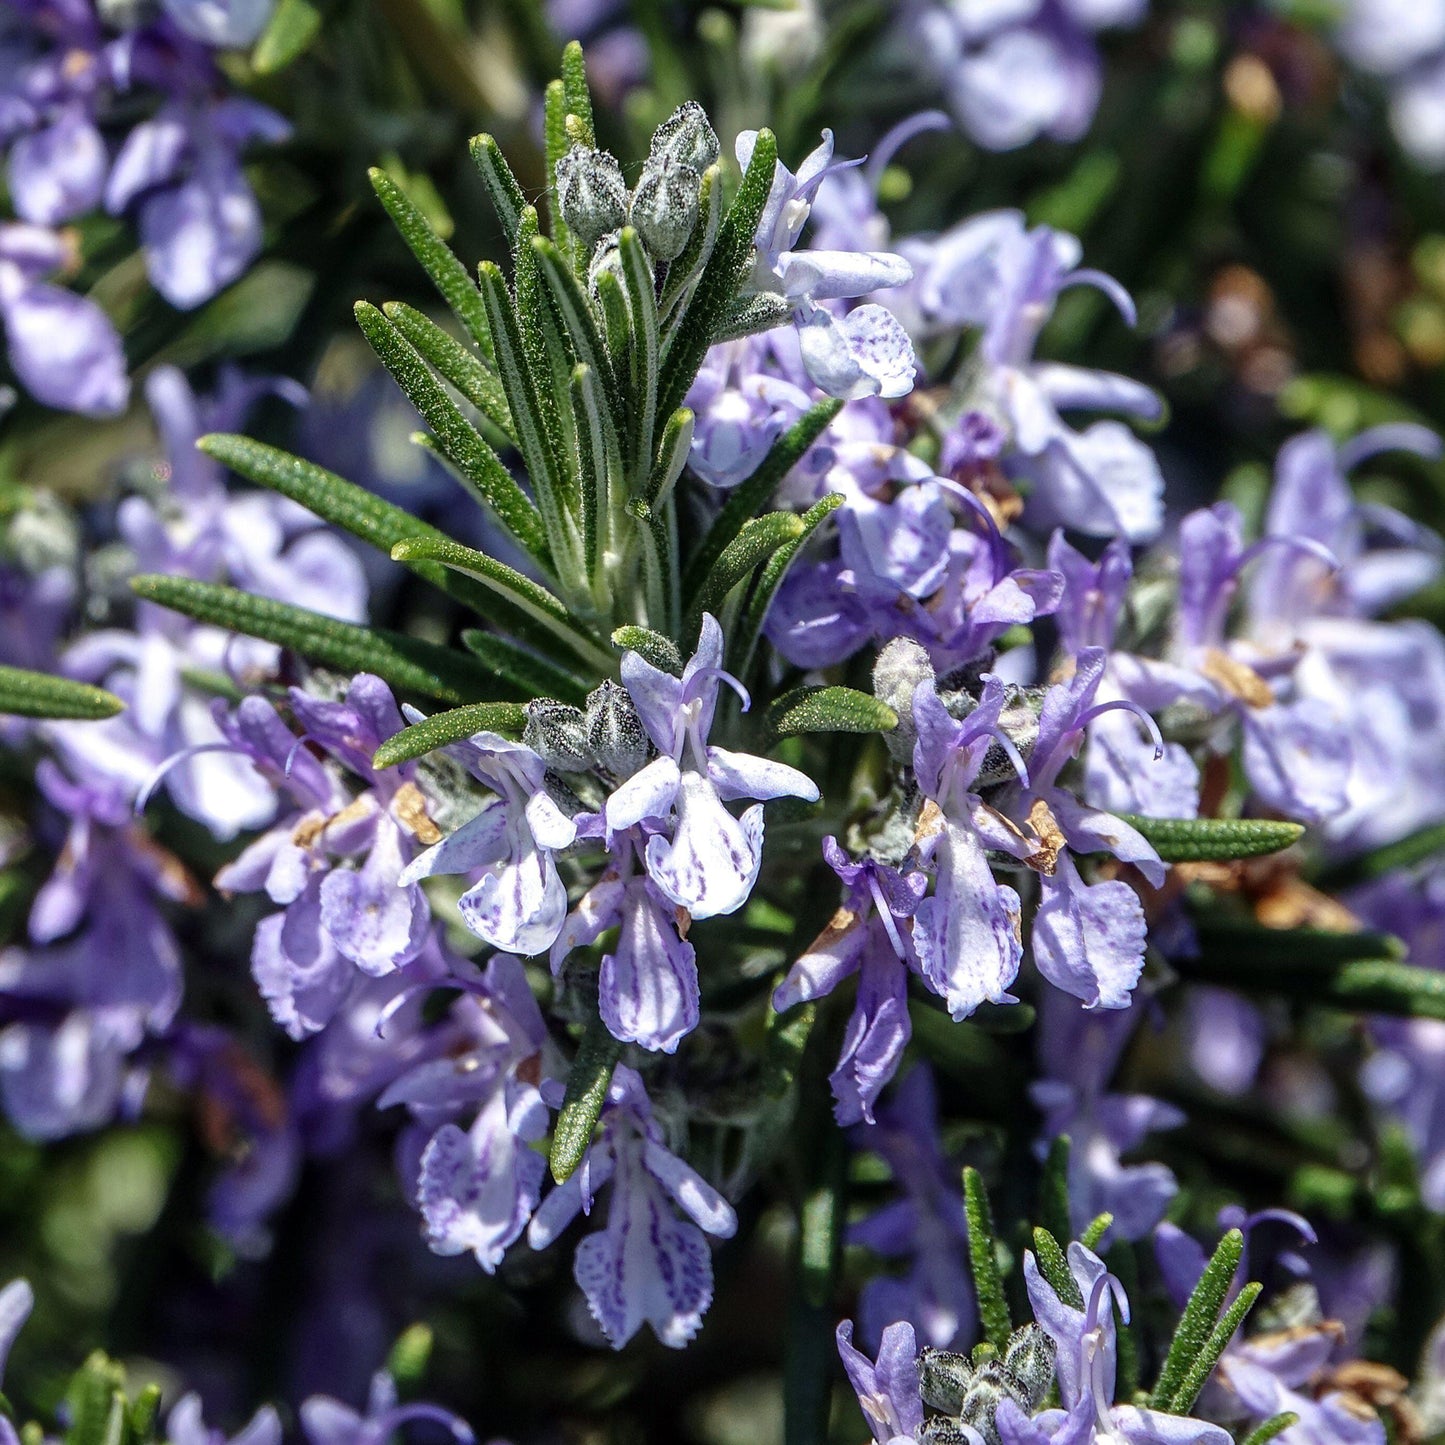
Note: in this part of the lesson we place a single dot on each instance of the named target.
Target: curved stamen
(998, 547)
(1318, 550)
(1100, 281)
(405, 1414)
(885, 915)
(1399, 436)
(693, 687)
(1123, 704)
(294, 749)
(1011, 752)
(152, 783)
(897, 138)
(1295, 1221)
(398, 1001)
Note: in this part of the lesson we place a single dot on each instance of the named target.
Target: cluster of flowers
(1043, 693)
(75, 142)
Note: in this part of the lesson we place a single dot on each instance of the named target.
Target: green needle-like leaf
(759, 540)
(1275, 1425)
(449, 727)
(672, 454)
(1054, 1266)
(143, 1414)
(287, 36)
(506, 195)
(750, 496)
(457, 365)
(684, 273)
(717, 287)
(1054, 1187)
(587, 1085)
(829, 710)
(531, 675)
(459, 440)
(447, 273)
(993, 1309)
(1202, 1366)
(651, 647)
(556, 145)
(575, 92)
(542, 606)
(1200, 1316)
(1212, 840)
(37, 694)
(577, 318)
(1096, 1229)
(407, 663)
(1364, 985)
(642, 353)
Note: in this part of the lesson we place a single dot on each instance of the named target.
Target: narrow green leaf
(993, 1309)
(1409, 851)
(539, 604)
(459, 440)
(1366, 985)
(755, 314)
(717, 287)
(829, 710)
(531, 675)
(1054, 1266)
(616, 322)
(576, 95)
(544, 344)
(576, 315)
(1199, 1318)
(97, 1403)
(651, 647)
(556, 145)
(1275, 1425)
(745, 639)
(506, 195)
(37, 694)
(143, 1414)
(587, 1085)
(758, 540)
(457, 365)
(1208, 840)
(1097, 1228)
(672, 454)
(1202, 1365)
(287, 36)
(592, 475)
(366, 516)
(750, 496)
(442, 728)
(407, 663)
(1054, 1187)
(643, 353)
(447, 273)
(1252, 943)
(528, 414)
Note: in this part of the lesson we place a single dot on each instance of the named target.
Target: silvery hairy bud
(664, 206)
(557, 733)
(687, 138)
(42, 534)
(605, 257)
(941, 1430)
(616, 738)
(944, 1377)
(991, 1385)
(901, 666)
(1019, 722)
(1029, 1360)
(591, 193)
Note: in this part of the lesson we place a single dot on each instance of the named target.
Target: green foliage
(1196, 1332)
(450, 727)
(587, 1083)
(829, 709)
(993, 1311)
(1206, 840)
(36, 694)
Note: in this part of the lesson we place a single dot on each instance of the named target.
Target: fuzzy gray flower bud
(687, 138)
(605, 257)
(557, 733)
(1029, 1359)
(664, 206)
(901, 666)
(944, 1377)
(615, 735)
(941, 1430)
(591, 193)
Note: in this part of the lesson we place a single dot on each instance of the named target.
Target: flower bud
(605, 257)
(557, 733)
(901, 666)
(686, 138)
(591, 193)
(944, 1377)
(941, 1430)
(616, 739)
(1029, 1359)
(991, 1385)
(664, 207)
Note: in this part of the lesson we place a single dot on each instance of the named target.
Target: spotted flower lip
(710, 862)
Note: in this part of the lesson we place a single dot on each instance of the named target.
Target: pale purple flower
(855, 353)
(519, 903)
(924, 1224)
(477, 1187)
(63, 347)
(645, 1265)
(185, 1425)
(887, 1388)
(1086, 1365)
(709, 863)
(871, 935)
(327, 1421)
(17, 1300)
(221, 24)
(647, 986)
